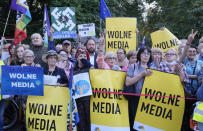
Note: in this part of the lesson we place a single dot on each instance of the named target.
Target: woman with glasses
(108, 62)
(121, 56)
(28, 57)
(157, 54)
(64, 63)
(135, 79)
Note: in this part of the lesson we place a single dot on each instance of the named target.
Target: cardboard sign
(48, 112)
(63, 22)
(164, 39)
(109, 112)
(18, 80)
(86, 30)
(82, 85)
(163, 110)
(121, 33)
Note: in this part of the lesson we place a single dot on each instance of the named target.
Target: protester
(83, 103)
(5, 53)
(193, 67)
(66, 44)
(108, 62)
(132, 56)
(197, 116)
(59, 47)
(157, 55)
(200, 49)
(51, 58)
(171, 65)
(64, 63)
(132, 59)
(11, 50)
(38, 48)
(28, 57)
(18, 59)
(135, 77)
(73, 50)
(91, 48)
(121, 56)
(181, 47)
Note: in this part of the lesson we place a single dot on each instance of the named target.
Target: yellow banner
(161, 113)
(48, 112)
(108, 111)
(121, 33)
(165, 40)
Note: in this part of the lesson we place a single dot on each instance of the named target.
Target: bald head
(36, 39)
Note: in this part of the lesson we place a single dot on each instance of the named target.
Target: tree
(179, 16)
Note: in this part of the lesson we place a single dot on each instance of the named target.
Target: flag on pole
(143, 43)
(22, 19)
(46, 26)
(104, 11)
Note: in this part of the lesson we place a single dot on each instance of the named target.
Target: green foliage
(179, 16)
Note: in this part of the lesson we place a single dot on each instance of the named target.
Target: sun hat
(50, 53)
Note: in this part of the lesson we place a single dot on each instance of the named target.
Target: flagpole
(6, 22)
(5, 27)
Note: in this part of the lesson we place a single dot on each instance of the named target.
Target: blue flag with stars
(104, 11)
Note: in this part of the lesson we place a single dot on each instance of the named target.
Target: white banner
(86, 30)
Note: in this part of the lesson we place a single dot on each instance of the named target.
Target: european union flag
(104, 11)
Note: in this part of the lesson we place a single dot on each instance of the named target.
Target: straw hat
(50, 53)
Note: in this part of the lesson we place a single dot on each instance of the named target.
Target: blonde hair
(110, 54)
(174, 50)
(157, 50)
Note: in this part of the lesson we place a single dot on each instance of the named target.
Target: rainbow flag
(22, 19)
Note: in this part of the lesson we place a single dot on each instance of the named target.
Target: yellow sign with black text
(48, 112)
(161, 108)
(120, 33)
(165, 40)
(108, 111)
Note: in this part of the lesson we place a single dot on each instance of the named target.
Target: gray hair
(28, 51)
(110, 54)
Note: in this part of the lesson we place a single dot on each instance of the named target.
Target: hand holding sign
(191, 36)
(146, 73)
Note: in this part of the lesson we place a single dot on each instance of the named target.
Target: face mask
(171, 63)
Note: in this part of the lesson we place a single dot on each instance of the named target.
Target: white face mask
(171, 63)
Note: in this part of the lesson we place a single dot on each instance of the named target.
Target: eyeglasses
(111, 58)
(63, 54)
(28, 56)
(156, 54)
(170, 54)
(120, 53)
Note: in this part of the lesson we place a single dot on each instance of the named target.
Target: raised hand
(191, 36)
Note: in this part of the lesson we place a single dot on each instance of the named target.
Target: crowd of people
(57, 60)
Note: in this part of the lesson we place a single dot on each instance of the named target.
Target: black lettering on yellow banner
(121, 33)
(164, 39)
(48, 112)
(161, 108)
(109, 110)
